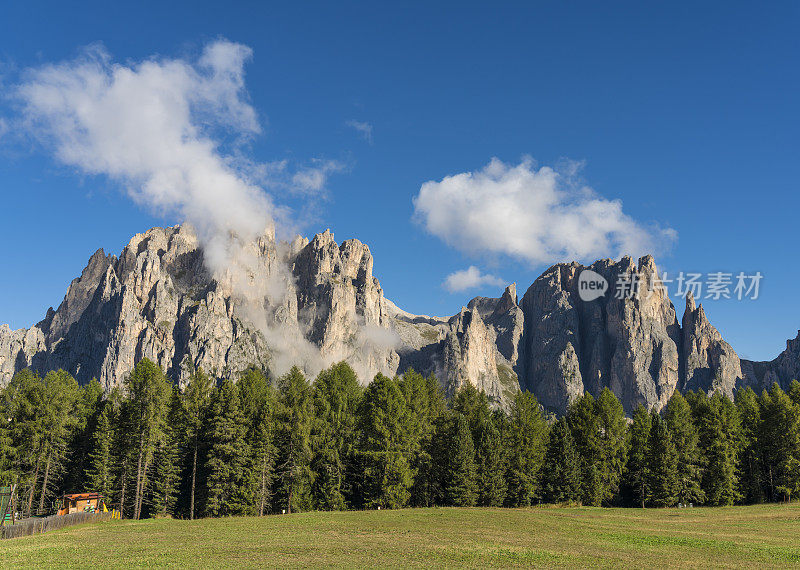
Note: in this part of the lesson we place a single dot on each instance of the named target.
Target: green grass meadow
(760, 536)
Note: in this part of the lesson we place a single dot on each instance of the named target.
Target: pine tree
(490, 456)
(637, 470)
(197, 399)
(678, 416)
(148, 394)
(264, 454)
(561, 471)
(527, 437)
(227, 463)
(295, 421)
(719, 435)
(663, 464)
(779, 443)
(87, 411)
(460, 489)
(25, 397)
(167, 460)
(425, 404)
(336, 396)
(100, 471)
(58, 419)
(8, 451)
(612, 440)
(473, 405)
(750, 472)
(254, 391)
(585, 426)
(384, 450)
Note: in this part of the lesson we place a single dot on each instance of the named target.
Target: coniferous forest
(260, 446)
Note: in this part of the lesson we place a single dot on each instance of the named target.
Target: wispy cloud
(364, 128)
(172, 133)
(538, 215)
(312, 179)
(470, 278)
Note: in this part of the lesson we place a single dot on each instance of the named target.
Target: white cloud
(364, 128)
(537, 215)
(158, 127)
(3, 127)
(170, 131)
(470, 278)
(312, 179)
(149, 125)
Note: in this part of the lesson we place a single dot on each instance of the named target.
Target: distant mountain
(314, 302)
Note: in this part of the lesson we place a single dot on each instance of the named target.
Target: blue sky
(686, 113)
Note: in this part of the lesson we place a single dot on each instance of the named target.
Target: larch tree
(637, 476)
(147, 392)
(336, 396)
(461, 485)
(197, 399)
(663, 464)
(678, 416)
(561, 472)
(295, 421)
(526, 440)
(384, 450)
(227, 462)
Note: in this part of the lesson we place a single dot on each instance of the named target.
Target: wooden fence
(36, 526)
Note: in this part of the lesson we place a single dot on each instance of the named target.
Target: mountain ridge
(314, 302)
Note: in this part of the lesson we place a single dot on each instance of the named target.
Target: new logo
(591, 285)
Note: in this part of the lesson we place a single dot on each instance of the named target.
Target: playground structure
(7, 506)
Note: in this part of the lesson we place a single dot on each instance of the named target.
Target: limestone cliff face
(709, 363)
(310, 303)
(629, 343)
(313, 303)
(783, 369)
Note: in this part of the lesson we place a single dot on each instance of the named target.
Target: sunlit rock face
(315, 302)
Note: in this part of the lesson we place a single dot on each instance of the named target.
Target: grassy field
(753, 537)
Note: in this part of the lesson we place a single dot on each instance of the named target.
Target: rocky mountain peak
(315, 302)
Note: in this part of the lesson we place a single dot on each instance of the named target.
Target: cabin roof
(83, 496)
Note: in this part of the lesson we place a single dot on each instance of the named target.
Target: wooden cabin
(82, 502)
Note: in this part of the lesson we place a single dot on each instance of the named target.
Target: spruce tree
(527, 437)
(678, 416)
(490, 457)
(254, 390)
(227, 463)
(295, 421)
(336, 396)
(148, 395)
(585, 426)
(264, 454)
(779, 443)
(58, 418)
(167, 460)
(87, 411)
(637, 470)
(8, 451)
(612, 440)
(750, 465)
(663, 464)
(719, 435)
(197, 399)
(561, 471)
(385, 450)
(425, 403)
(100, 469)
(460, 489)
